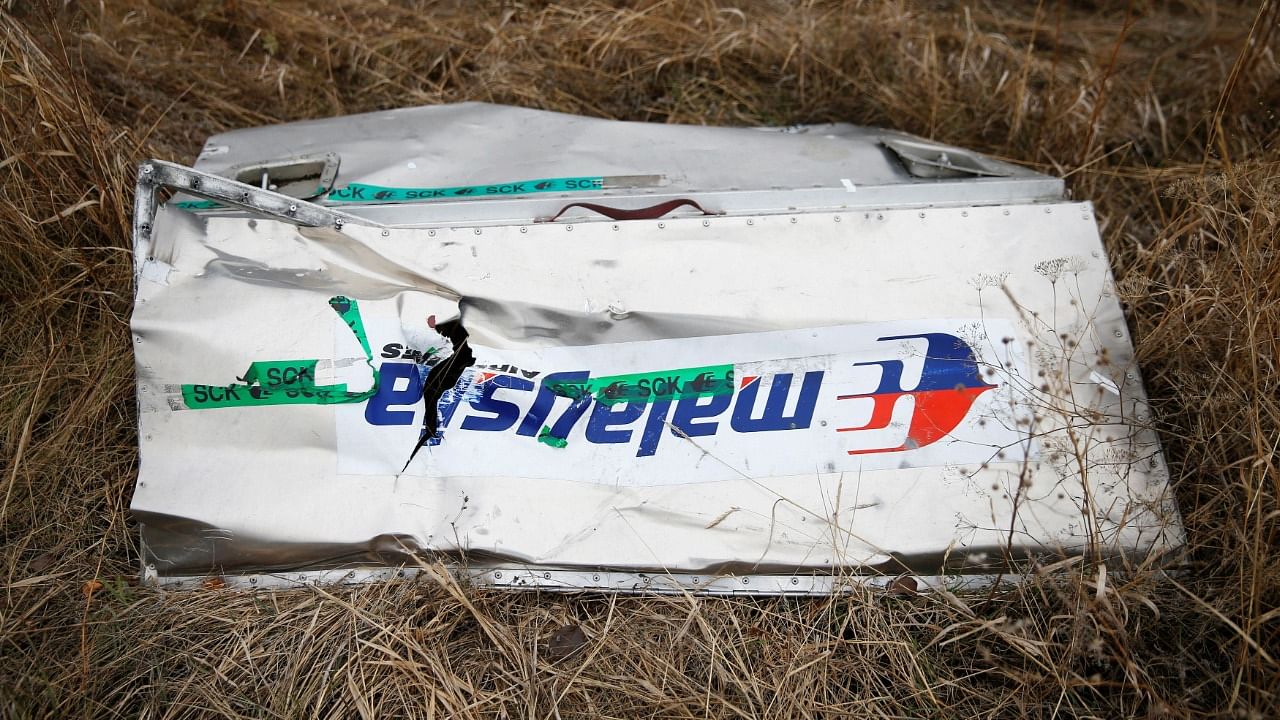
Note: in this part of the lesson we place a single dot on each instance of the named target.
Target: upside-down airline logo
(870, 396)
(707, 403)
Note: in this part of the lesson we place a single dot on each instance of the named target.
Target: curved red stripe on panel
(937, 413)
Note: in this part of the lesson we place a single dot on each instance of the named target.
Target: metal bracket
(926, 160)
(156, 174)
(302, 176)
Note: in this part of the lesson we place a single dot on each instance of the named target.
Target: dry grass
(1163, 112)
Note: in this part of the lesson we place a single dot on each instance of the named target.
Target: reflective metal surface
(499, 153)
(755, 402)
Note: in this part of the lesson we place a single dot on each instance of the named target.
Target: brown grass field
(1163, 112)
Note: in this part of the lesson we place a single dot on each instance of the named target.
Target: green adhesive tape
(359, 192)
(287, 382)
(197, 205)
(647, 387)
(546, 438)
(363, 193)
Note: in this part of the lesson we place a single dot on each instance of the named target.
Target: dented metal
(853, 375)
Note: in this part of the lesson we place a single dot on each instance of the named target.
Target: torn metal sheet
(768, 398)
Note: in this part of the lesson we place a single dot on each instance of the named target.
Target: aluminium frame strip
(154, 175)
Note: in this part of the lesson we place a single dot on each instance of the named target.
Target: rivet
(879, 216)
(1048, 210)
(293, 207)
(661, 225)
(595, 578)
(524, 229)
(615, 227)
(751, 222)
(431, 233)
(695, 581)
(921, 214)
(568, 228)
(146, 170)
(477, 231)
(964, 213)
(837, 218)
(497, 574)
(546, 576)
(1119, 333)
(1006, 212)
(746, 581)
(795, 581)
(385, 233)
(793, 220)
(399, 573)
(253, 581)
(1129, 375)
(706, 223)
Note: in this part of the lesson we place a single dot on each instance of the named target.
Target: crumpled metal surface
(926, 390)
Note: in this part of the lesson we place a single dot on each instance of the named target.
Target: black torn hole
(442, 378)
(446, 376)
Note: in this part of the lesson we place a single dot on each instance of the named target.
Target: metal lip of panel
(507, 576)
(981, 192)
(478, 143)
(552, 579)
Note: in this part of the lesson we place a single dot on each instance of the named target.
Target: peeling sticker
(846, 398)
(1104, 381)
(156, 271)
(546, 438)
(286, 382)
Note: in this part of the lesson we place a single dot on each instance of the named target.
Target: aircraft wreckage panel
(735, 402)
